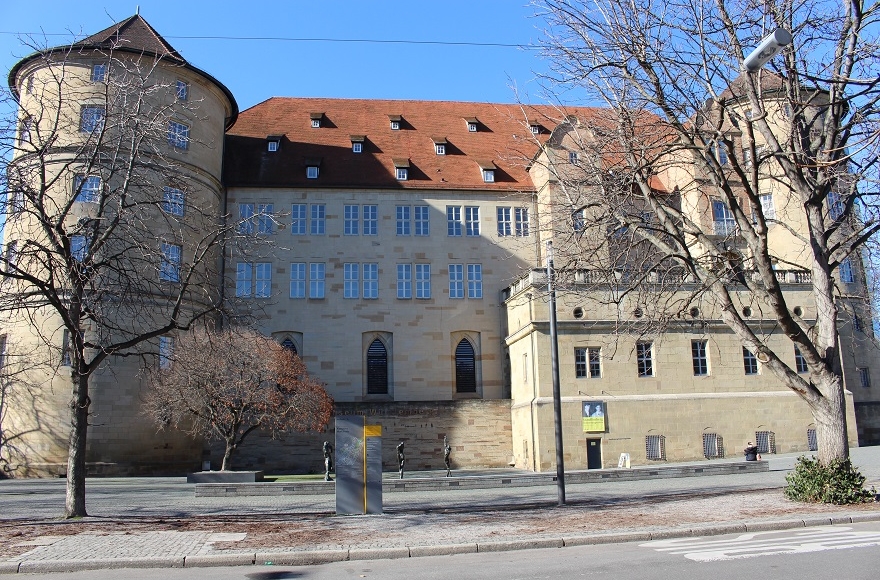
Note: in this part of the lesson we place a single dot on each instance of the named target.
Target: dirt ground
(437, 527)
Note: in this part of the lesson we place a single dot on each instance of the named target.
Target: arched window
(377, 369)
(289, 345)
(465, 368)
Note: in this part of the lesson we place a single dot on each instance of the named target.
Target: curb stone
(444, 550)
(531, 544)
(300, 557)
(44, 566)
(208, 560)
(378, 553)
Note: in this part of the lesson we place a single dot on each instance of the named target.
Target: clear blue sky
(255, 70)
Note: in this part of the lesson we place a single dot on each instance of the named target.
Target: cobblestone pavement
(158, 522)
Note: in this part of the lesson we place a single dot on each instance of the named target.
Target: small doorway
(594, 454)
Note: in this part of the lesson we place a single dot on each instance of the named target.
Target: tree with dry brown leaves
(225, 385)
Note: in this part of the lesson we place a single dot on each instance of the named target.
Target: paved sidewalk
(158, 522)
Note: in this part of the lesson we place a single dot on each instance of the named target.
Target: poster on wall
(593, 416)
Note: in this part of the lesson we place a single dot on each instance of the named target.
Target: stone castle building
(406, 269)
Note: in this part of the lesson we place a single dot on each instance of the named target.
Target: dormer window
(573, 157)
(313, 168)
(273, 143)
(534, 129)
(395, 122)
(472, 123)
(439, 145)
(488, 170)
(401, 168)
(357, 143)
(316, 120)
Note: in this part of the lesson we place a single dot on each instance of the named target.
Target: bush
(838, 483)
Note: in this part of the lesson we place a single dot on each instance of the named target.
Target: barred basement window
(655, 447)
(812, 443)
(713, 445)
(377, 369)
(766, 441)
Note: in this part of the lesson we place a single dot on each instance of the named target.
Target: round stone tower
(113, 241)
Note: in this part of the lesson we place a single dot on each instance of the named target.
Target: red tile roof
(503, 138)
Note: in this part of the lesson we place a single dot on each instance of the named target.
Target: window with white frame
(767, 206)
(472, 221)
(298, 280)
(750, 362)
(357, 147)
(178, 135)
(422, 220)
(579, 220)
(800, 363)
(298, 221)
(169, 266)
(317, 223)
(371, 281)
(91, 118)
(253, 280)
(316, 280)
(173, 200)
(521, 222)
(489, 175)
(846, 271)
(181, 90)
(316, 123)
(505, 222)
(719, 151)
(166, 351)
(472, 126)
(456, 281)
(265, 221)
(403, 220)
(371, 220)
(587, 363)
(99, 73)
(404, 281)
(263, 280)
(273, 145)
(453, 220)
(351, 280)
(79, 247)
(423, 281)
(645, 359)
(475, 280)
(402, 173)
(699, 358)
(722, 217)
(440, 148)
(864, 377)
(312, 172)
(535, 129)
(87, 189)
(351, 219)
(245, 218)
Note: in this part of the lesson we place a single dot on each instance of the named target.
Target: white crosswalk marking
(766, 543)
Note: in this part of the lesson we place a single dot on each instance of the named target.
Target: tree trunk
(75, 502)
(227, 456)
(829, 412)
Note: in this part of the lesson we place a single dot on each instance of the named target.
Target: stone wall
(868, 421)
(479, 433)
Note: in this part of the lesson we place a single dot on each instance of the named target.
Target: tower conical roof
(133, 34)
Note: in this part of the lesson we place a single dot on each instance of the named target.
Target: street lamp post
(769, 47)
(554, 366)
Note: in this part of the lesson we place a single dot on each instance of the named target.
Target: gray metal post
(554, 365)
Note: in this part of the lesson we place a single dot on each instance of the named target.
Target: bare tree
(734, 181)
(227, 384)
(113, 236)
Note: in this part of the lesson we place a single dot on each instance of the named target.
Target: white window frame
(87, 188)
(440, 148)
(272, 146)
(768, 208)
(404, 281)
(505, 221)
(317, 280)
(316, 123)
(521, 222)
(489, 176)
(402, 173)
(472, 220)
(99, 73)
(403, 216)
(173, 200)
(845, 269)
(91, 118)
(317, 219)
(265, 221)
(723, 222)
(371, 220)
(456, 281)
(535, 129)
(700, 357)
(357, 147)
(178, 135)
(453, 221)
(395, 125)
(421, 220)
(864, 377)
(371, 280)
(299, 222)
(169, 263)
(472, 127)
(297, 280)
(351, 219)
(246, 218)
(475, 281)
(423, 281)
(79, 247)
(750, 363)
(166, 352)
(312, 172)
(800, 362)
(181, 90)
(262, 280)
(351, 279)
(244, 279)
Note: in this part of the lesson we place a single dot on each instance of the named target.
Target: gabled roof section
(504, 137)
(134, 34)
